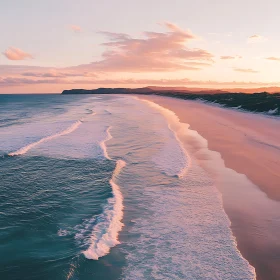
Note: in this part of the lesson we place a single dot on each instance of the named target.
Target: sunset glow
(94, 44)
(140, 139)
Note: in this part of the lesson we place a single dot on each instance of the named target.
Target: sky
(47, 46)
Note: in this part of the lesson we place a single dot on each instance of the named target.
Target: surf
(103, 145)
(105, 233)
(176, 128)
(25, 149)
(198, 146)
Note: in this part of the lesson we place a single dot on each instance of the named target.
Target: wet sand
(248, 145)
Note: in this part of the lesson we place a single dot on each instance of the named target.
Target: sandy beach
(242, 154)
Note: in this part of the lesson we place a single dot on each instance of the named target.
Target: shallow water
(100, 187)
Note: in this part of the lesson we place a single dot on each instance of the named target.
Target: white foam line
(105, 234)
(168, 113)
(103, 145)
(25, 149)
(172, 117)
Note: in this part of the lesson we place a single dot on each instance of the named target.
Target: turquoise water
(99, 187)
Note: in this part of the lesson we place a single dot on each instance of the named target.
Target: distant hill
(145, 90)
(109, 91)
(255, 90)
(157, 89)
(214, 91)
(188, 90)
(259, 102)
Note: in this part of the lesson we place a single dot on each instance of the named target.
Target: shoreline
(241, 140)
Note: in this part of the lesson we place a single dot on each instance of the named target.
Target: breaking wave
(102, 144)
(177, 128)
(25, 149)
(105, 233)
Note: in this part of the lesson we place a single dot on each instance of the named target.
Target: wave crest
(25, 149)
(105, 233)
(103, 145)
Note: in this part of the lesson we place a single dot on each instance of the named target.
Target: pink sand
(249, 146)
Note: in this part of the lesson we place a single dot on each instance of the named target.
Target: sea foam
(25, 149)
(177, 128)
(102, 144)
(105, 233)
(236, 265)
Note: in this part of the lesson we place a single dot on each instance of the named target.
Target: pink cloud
(91, 83)
(57, 74)
(76, 28)
(15, 81)
(273, 58)
(227, 57)
(16, 54)
(18, 69)
(245, 70)
(155, 52)
(254, 36)
(42, 72)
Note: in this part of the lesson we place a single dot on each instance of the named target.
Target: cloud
(76, 28)
(227, 57)
(18, 69)
(256, 39)
(41, 72)
(15, 81)
(93, 83)
(57, 74)
(273, 58)
(154, 52)
(173, 82)
(13, 53)
(245, 70)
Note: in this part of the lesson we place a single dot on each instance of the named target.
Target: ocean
(101, 187)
